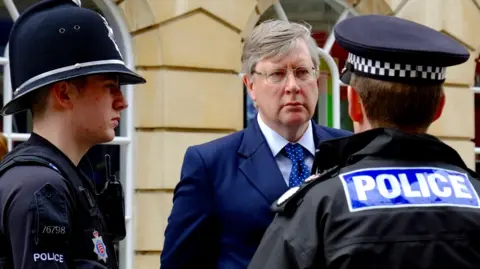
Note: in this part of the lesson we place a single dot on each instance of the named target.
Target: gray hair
(275, 38)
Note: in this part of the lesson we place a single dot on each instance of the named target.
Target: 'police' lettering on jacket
(395, 187)
(48, 257)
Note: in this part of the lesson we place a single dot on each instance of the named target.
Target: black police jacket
(381, 199)
(49, 217)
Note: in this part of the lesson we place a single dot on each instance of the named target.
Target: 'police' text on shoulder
(407, 187)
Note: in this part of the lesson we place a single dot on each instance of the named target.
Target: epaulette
(288, 203)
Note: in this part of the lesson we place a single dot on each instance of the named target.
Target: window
(17, 128)
(322, 16)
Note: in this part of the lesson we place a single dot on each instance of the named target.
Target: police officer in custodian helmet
(391, 195)
(67, 70)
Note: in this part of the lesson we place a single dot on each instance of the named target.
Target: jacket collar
(253, 138)
(385, 143)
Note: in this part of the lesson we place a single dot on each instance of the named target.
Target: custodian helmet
(55, 40)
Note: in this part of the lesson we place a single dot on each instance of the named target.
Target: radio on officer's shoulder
(112, 204)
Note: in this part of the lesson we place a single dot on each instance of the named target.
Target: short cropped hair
(397, 105)
(38, 98)
(274, 38)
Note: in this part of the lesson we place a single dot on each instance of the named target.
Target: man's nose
(291, 82)
(121, 102)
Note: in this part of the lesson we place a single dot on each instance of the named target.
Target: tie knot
(294, 152)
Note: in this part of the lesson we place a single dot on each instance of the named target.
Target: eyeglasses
(279, 75)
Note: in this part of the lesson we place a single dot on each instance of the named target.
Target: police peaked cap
(393, 49)
(55, 40)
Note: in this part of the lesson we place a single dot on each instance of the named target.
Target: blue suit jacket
(221, 206)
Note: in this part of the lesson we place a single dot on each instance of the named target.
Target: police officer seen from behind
(67, 70)
(390, 196)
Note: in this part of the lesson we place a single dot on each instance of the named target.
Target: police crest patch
(99, 247)
(111, 35)
(395, 187)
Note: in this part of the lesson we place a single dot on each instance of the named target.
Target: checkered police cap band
(395, 71)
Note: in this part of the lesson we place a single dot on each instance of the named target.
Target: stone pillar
(457, 19)
(189, 51)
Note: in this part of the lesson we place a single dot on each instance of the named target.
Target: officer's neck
(64, 140)
(407, 130)
(366, 125)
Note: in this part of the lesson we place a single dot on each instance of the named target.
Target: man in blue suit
(221, 206)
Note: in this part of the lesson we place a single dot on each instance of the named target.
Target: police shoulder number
(398, 187)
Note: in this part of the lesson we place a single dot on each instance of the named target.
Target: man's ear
(63, 94)
(355, 105)
(440, 107)
(248, 82)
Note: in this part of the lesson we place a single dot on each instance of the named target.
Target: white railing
(123, 38)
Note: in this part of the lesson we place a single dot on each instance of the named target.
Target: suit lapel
(259, 165)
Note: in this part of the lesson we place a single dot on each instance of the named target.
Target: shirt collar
(277, 142)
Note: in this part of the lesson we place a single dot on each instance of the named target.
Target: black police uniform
(343, 219)
(382, 198)
(51, 215)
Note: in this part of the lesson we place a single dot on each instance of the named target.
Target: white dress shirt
(277, 142)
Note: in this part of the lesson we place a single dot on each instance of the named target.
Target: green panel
(328, 95)
(345, 121)
(330, 103)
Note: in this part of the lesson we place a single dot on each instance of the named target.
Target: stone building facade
(189, 51)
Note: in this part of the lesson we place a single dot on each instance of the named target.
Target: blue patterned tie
(300, 170)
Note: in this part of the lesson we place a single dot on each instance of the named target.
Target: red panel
(477, 119)
(477, 104)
